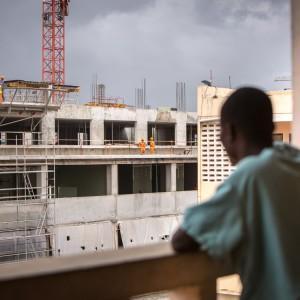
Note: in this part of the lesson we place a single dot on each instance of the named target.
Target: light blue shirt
(254, 219)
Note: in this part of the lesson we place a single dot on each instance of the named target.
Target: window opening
(116, 132)
(72, 132)
(163, 134)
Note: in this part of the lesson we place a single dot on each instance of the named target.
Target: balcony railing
(28, 138)
(110, 275)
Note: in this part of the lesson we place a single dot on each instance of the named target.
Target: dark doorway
(191, 134)
(135, 179)
(72, 132)
(190, 177)
(18, 131)
(80, 181)
(125, 179)
(119, 132)
(163, 134)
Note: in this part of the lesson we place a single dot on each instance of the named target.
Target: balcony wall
(115, 275)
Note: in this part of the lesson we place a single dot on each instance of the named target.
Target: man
(152, 145)
(1, 88)
(142, 146)
(253, 220)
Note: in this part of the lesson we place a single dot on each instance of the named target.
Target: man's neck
(250, 149)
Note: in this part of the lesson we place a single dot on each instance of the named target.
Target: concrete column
(48, 129)
(296, 71)
(112, 179)
(180, 130)
(171, 178)
(141, 126)
(97, 132)
(41, 182)
(141, 131)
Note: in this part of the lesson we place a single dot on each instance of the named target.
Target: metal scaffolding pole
(27, 192)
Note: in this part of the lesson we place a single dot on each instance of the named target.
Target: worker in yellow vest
(152, 145)
(142, 146)
(1, 88)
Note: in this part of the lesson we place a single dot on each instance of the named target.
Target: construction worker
(1, 88)
(152, 145)
(142, 146)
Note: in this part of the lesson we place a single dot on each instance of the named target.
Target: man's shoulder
(256, 163)
(274, 160)
(254, 166)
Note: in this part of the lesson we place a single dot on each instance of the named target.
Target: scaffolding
(27, 202)
(31, 96)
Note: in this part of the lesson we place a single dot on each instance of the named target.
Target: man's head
(246, 123)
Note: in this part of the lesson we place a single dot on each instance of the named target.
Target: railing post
(296, 70)
(206, 292)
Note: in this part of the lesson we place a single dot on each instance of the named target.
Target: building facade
(213, 163)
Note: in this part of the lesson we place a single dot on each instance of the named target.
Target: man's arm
(182, 242)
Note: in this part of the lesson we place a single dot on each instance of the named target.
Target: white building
(213, 163)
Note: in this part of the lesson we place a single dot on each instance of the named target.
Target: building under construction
(73, 178)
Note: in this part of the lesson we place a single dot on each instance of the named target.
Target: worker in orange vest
(152, 145)
(1, 88)
(142, 146)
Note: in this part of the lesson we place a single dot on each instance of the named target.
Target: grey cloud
(217, 12)
(163, 40)
(85, 11)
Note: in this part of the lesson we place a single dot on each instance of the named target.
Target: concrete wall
(88, 224)
(180, 133)
(79, 239)
(146, 205)
(91, 223)
(91, 237)
(148, 230)
(141, 117)
(84, 209)
(119, 207)
(210, 100)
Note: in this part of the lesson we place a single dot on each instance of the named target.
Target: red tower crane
(53, 40)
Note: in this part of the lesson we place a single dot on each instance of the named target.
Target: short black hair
(250, 111)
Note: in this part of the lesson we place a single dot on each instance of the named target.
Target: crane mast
(53, 40)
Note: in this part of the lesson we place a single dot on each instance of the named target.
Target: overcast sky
(164, 41)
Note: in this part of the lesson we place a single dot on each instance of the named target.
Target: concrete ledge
(8, 152)
(111, 275)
